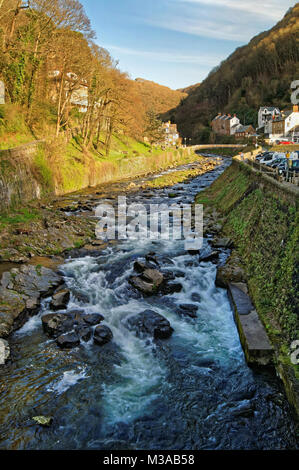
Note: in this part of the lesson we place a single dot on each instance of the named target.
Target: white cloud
(206, 59)
(233, 20)
(273, 9)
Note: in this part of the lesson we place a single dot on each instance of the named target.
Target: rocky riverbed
(132, 345)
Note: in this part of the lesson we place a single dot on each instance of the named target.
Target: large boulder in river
(153, 276)
(102, 335)
(68, 340)
(55, 324)
(150, 323)
(60, 300)
(148, 282)
(21, 290)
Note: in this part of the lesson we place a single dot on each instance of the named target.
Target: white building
(266, 114)
(234, 124)
(286, 125)
(292, 124)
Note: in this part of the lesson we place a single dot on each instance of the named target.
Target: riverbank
(188, 387)
(261, 219)
(46, 169)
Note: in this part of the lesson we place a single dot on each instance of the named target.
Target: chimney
(295, 108)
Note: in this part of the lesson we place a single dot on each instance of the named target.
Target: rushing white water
(141, 372)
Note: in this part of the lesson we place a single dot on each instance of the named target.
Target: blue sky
(177, 42)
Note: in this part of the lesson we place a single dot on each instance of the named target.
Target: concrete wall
(17, 183)
(22, 179)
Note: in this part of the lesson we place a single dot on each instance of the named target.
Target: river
(191, 391)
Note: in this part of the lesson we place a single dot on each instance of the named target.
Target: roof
(244, 128)
(269, 108)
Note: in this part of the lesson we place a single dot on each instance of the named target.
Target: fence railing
(289, 176)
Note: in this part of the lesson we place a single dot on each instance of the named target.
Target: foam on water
(68, 380)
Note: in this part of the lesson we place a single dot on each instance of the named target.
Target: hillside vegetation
(255, 75)
(158, 98)
(61, 85)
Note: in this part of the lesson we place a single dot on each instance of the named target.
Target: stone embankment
(257, 218)
(30, 172)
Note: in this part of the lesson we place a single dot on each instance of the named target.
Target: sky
(178, 42)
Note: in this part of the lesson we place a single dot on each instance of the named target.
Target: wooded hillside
(53, 71)
(158, 98)
(257, 74)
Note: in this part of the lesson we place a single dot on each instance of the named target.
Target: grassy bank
(264, 227)
(61, 166)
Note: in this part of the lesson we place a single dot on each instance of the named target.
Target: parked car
(270, 158)
(263, 155)
(285, 142)
(277, 162)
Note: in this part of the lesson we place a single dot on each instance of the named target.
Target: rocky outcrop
(150, 323)
(72, 327)
(151, 280)
(21, 291)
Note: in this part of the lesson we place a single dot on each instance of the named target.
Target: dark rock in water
(196, 297)
(68, 340)
(193, 252)
(189, 309)
(102, 335)
(150, 323)
(179, 274)
(171, 288)
(55, 324)
(84, 332)
(60, 300)
(244, 409)
(213, 256)
(93, 319)
(82, 253)
(151, 258)
(76, 316)
(168, 276)
(139, 266)
(81, 297)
